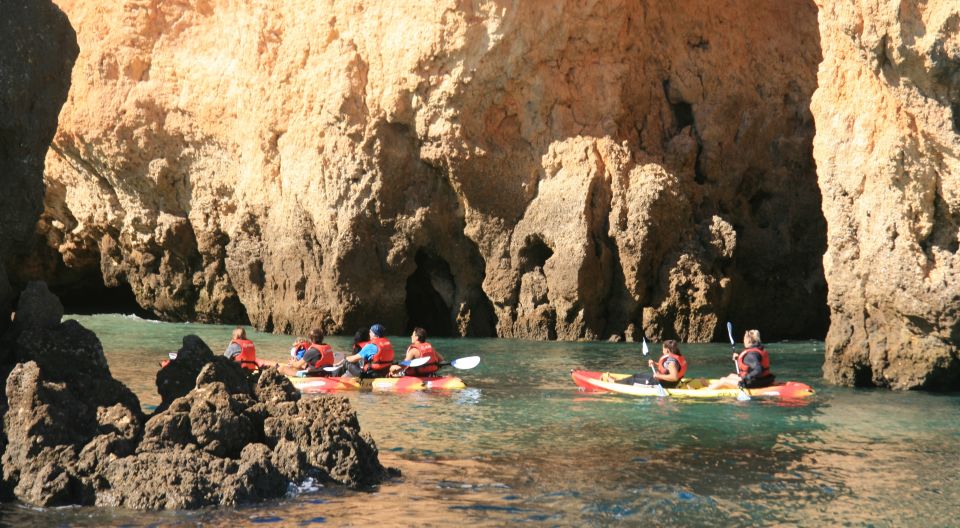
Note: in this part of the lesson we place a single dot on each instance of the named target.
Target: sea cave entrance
(430, 296)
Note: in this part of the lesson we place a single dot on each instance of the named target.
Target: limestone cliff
(37, 51)
(888, 158)
(532, 169)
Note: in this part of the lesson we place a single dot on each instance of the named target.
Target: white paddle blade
(645, 349)
(331, 369)
(415, 362)
(730, 332)
(661, 392)
(172, 355)
(743, 396)
(466, 362)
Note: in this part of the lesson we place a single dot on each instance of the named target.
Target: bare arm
(671, 375)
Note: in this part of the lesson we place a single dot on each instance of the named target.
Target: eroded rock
(891, 192)
(77, 436)
(425, 184)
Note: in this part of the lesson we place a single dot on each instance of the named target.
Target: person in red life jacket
(669, 369)
(243, 351)
(316, 355)
(753, 366)
(374, 358)
(419, 347)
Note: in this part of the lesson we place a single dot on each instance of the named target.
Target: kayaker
(753, 366)
(669, 369)
(419, 347)
(374, 358)
(315, 356)
(360, 337)
(243, 351)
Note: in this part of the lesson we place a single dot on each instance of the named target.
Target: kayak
(401, 384)
(693, 388)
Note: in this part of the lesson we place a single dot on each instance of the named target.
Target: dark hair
(421, 334)
(316, 336)
(671, 346)
(362, 335)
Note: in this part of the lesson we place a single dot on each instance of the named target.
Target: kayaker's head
(670, 347)
(239, 333)
(751, 339)
(316, 336)
(362, 335)
(419, 335)
(377, 330)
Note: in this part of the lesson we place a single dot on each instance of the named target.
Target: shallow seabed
(521, 445)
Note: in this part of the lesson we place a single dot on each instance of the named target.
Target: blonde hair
(239, 333)
(751, 338)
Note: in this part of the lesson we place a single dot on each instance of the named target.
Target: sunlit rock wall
(530, 169)
(887, 149)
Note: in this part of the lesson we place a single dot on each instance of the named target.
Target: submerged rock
(77, 435)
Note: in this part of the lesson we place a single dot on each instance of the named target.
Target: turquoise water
(522, 445)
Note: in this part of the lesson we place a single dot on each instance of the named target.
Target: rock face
(551, 170)
(75, 435)
(37, 52)
(890, 178)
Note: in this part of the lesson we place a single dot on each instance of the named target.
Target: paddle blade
(331, 369)
(465, 362)
(661, 392)
(645, 349)
(172, 355)
(730, 333)
(743, 396)
(419, 362)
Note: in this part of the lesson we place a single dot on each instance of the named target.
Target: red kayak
(694, 388)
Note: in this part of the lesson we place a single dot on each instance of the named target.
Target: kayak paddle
(661, 392)
(463, 363)
(419, 362)
(744, 395)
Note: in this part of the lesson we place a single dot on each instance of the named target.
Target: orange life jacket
(744, 369)
(383, 358)
(248, 354)
(426, 351)
(326, 355)
(681, 361)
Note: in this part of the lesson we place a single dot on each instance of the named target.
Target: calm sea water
(521, 445)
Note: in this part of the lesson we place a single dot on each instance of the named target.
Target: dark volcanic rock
(194, 358)
(37, 53)
(222, 437)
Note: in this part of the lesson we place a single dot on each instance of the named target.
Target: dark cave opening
(534, 254)
(430, 292)
(91, 296)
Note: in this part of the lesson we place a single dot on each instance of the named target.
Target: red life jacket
(426, 351)
(744, 369)
(248, 354)
(326, 355)
(383, 358)
(681, 361)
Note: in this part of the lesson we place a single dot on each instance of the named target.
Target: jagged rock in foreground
(536, 169)
(75, 435)
(37, 50)
(887, 148)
